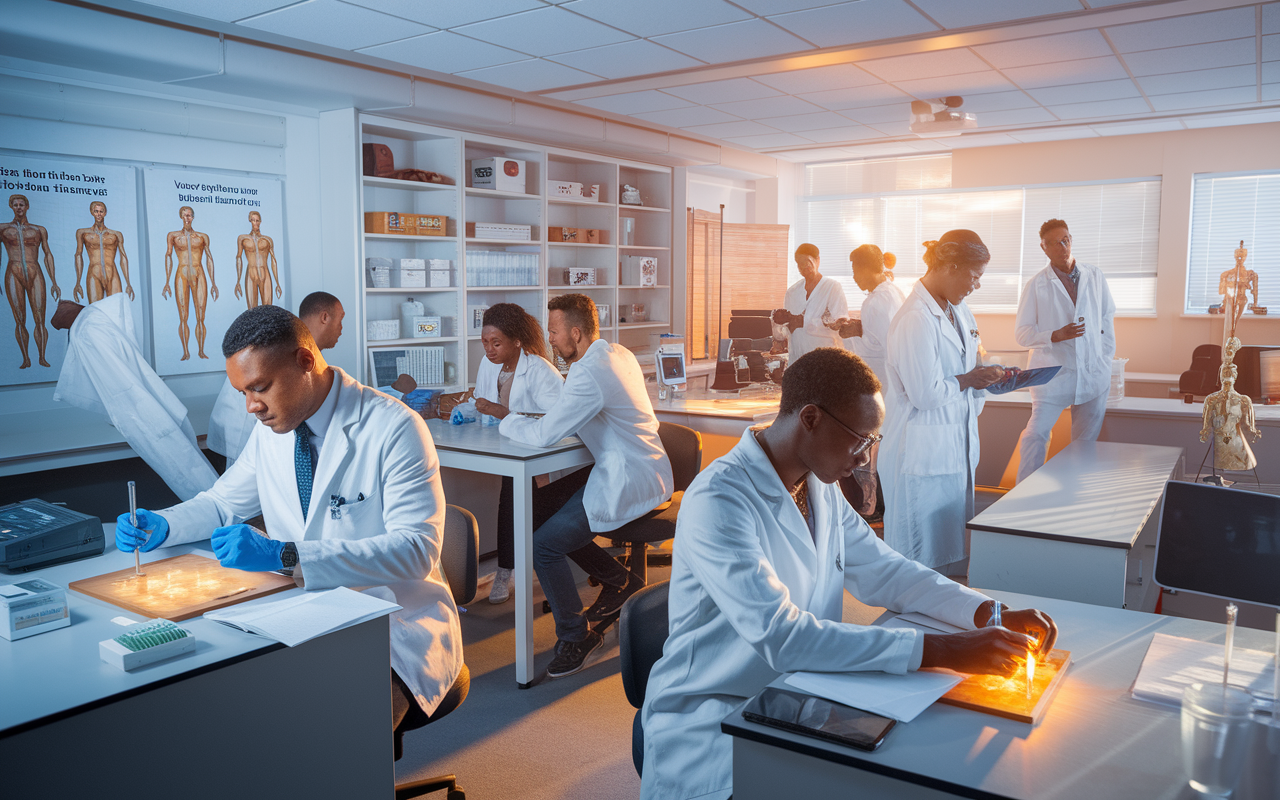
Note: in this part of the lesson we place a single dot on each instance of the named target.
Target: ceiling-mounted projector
(938, 117)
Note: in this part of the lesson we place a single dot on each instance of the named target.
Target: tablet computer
(818, 717)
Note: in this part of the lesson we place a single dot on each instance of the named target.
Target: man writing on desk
(348, 482)
(765, 546)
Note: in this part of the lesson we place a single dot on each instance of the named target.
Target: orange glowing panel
(1007, 697)
(180, 587)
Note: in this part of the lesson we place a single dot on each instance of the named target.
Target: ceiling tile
(971, 83)
(336, 24)
(742, 127)
(736, 41)
(1045, 49)
(1067, 72)
(1015, 116)
(1220, 78)
(768, 107)
(1215, 97)
(635, 102)
(874, 114)
(1238, 118)
(840, 99)
(1102, 108)
(444, 51)
(981, 12)
(898, 127)
(847, 133)
(1213, 26)
(818, 79)
(530, 76)
(441, 13)
(728, 91)
(925, 65)
(1202, 56)
(1271, 18)
(799, 123)
(544, 32)
(1085, 92)
(1127, 128)
(768, 140)
(627, 59)
(981, 140)
(1053, 134)
(853, 23)
(997, 101)
(656, 17)
(686, 117)
(766, 7)
(227, 11)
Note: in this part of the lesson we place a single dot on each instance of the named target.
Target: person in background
(348, 482)
(809, 305)
(516, 376)
(604, 402)
(867, 336)
(934, 395)
(322, 313)
(1066, 317)
(765, 548)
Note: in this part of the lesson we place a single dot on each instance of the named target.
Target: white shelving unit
(447, 152)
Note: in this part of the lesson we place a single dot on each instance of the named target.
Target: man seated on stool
(349, 485)
(604, 402)
(765, 546)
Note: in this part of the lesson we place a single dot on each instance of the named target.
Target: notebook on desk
(294, 620)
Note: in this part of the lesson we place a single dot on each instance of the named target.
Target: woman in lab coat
(933, 398)
(515, 375)
(811, 303)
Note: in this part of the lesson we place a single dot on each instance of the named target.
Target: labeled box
(576, 235)
(402, 224)
(580, 276)
(499, 230)
(475, 319)
(502, 174)
(32, 606)
(571, 190)
(640, 270)
(427, 327)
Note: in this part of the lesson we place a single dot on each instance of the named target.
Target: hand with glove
(243, 547)
(150, 532)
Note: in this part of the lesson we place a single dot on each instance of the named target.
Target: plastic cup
(1215, 737)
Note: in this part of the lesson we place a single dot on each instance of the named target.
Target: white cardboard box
(32, 606)
(500, 230)
(440, 278)
(380, 330)
(475, 319)
(121, 657)
(503, 174)
(580, 276)
(640, 270)
(426, 327)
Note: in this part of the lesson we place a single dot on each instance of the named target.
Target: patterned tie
(304, 465)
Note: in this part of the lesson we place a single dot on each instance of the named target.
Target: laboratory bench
(240, 716)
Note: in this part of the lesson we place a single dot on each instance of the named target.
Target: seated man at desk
(766, 544)
(603, 401)
(348, 482)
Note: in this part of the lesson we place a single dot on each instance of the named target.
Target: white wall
(707, 192)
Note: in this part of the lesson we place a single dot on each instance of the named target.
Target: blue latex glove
(242, 547)
(151, 532)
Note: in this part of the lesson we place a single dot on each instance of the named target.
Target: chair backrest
(642, 631)
(459, 554)
(684, 449)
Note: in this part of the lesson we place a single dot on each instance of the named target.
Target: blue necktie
(304, 465)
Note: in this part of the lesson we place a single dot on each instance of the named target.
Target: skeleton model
(1228, 416)
(1233, 286)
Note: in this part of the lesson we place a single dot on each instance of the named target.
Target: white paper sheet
(901, 697)
(294, 620)
(1173, 663)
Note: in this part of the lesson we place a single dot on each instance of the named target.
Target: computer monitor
(1220, 542)
(671, 369)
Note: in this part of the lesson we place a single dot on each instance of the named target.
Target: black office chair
(459, 560)
(684, 450)
(642, 631)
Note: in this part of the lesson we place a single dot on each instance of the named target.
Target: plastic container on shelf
(1117, 381)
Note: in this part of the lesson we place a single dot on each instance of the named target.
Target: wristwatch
(289, 555)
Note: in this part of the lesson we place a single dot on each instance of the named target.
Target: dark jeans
(565, 535)
(547, 500)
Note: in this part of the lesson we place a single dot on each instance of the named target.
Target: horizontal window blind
(876, 175)
(1224, 211)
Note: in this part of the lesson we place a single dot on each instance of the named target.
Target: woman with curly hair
(515, 375)
(933, 396)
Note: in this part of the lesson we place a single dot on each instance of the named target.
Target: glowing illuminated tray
(1007, 697)
(181, 587)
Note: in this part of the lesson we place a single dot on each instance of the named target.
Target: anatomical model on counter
(1228, 415)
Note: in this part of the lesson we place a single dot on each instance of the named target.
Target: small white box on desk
(32, 606)
(149, 649)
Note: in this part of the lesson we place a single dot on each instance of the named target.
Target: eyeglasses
(864, 442)
(1063, 242)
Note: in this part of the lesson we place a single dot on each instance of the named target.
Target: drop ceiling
(810, 80)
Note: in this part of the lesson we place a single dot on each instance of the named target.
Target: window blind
(876, 175)
(1224, 210)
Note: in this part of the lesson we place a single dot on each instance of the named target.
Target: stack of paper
(901, 697)
(294, 620)
(1173, 663)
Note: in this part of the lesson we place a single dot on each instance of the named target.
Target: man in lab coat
(1067, 317)
(810, 303)
(765, 547)
(348, 482)
(604, 402)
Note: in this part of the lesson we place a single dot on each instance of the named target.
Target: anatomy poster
(216, 243)
(69, 230)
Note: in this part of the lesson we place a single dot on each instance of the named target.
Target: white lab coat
(930, 448)
(878, 311)
(752, 597)
(378, 447)
(604, 402)
(104, 371)
(535, 386)
(827, 295)
(1086, 362)
(230, 423)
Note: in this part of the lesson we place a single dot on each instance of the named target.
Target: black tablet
(815, 716)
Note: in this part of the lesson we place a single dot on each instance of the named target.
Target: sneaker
(611, 598)
(501, 591)
(571, 657)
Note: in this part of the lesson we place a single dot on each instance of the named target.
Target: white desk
(241, 716)
(482, 449)
(1095, 741)
(1082, 527)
